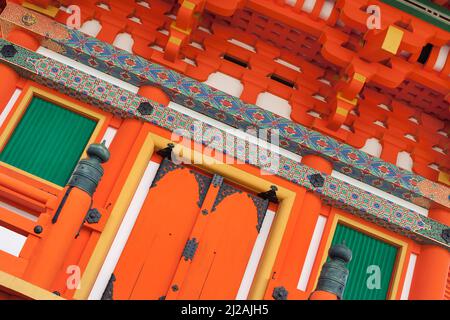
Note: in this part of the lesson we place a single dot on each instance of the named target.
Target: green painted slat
(48, 141)
(440, 21)
(366, 251)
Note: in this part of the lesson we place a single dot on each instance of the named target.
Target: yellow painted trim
(392, 40)
(353, 102)
(20, 111)
(175, 41)
(155, 142)
(50, 11)
(359, 77)
(444, 177)
(401, 245)
(341, 111)
(24, 288)
(188, 5)
(173, 25)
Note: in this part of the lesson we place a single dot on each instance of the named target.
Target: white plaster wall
(404, 160)
(275, 104)
(11, 242)
(225, 83)
(255, 257)
(312, 253)
(91, 28)
(372, 147)
(124, 41)
(408, 277)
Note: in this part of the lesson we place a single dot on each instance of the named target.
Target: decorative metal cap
(446, 235)
(8, 51)
(88, 172)
(334, 274)
(167, 151)
(316, 180)
(270, 195)
(145, 108)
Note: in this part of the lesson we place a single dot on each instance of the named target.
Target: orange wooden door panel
(151, 255)
(224, 247)
(187, 206)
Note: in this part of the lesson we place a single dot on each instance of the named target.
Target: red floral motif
(97, 48)
(130, 62)
(353, 156)
(384, 169)
(322, 143)
(92, 62)
(220, 116)
(346, 170)
(226, 103)
(195, 89)
(125, 75)
(258, 116)
(290, 130)
(414, 182)
(163, 76)
(239, 117)
(377, 183)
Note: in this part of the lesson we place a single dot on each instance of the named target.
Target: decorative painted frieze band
(113, 99)
(225, 108)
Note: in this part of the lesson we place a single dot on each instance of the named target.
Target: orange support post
(45, 265)
(431, 271)
(155, 94)
(323, 295)
(41, 3)
(311, 204)
(68, 219)
(8, 83)
(23, 39)
(334, 274)
(120, 150)
(308, 215)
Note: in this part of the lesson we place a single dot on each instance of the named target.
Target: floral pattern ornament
(111, 98)
(227, 109)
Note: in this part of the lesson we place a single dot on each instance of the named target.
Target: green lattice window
(48, 141)
(372, 258)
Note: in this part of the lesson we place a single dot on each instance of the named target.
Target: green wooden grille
(48, 141)
(421, 9)
(366, 251)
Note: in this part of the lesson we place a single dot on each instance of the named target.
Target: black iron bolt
(38, 229)
(93, 216)
(280, 293)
